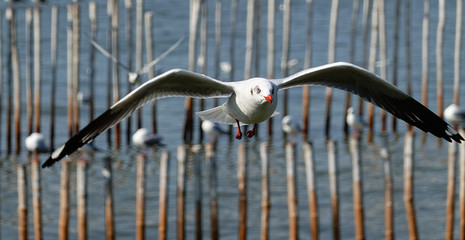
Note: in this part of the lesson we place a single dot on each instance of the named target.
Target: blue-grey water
(170, 21)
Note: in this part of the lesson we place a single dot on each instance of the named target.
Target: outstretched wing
(374, 89)
(172, 83)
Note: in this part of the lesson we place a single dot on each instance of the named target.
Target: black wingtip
(50, 161)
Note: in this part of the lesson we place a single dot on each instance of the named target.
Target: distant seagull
(213, 130)
(355, 122)
(36, 143)
(454, 114)
(144, 138)
(254, 100)
(291, 127)
(134, 76)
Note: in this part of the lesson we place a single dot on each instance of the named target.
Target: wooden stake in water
(450, 202)
(285, 50)
(242, 187)
(138, 65)
(69, 73)
(76, 25)
(93, 37)
(149, 53)
(213, 185)
(265, 218)
(331, 58)
(357, 183)
(462, 187)
(311, 188)
(292, 191)
(382, 53)
(37, 69)
(395, 60)
(181, 190)
(22, 202)
(197, 168)
(439, 45)
(109, 216)
(388, 190)
(63, 223)
(140, 197)
(81, 195)
(163, 200)
(457, 52)
(36, 196)
(1, 75)
(409, 186)
(16, 77)
(307, 64)
(115, 68)
(372, 63)
(9, 90)
(424, 59)
(130, 58)
(53, 63)
(333, 187)
(29, 95)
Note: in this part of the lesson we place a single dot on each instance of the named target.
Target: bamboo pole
(457, 52)
(202, 58)
(285, 50)
(408, 51)
(129, 38)
(395, 61)
(307, 64)
(140, 196)
(163, 209)
(242, 187)
(462, 188)
(22, 202)
(138, 65)
(439, 46)
(37, 68)
(197, 168)
(353, 34)
(218, 41)
(181, 190)
(333, 187)
(36, 196)
(93, 37)
(424, 59)
(53, 63)
(1, 75)
(265, 217)
(409, 186)
(257, 39)
(372, 62)
(69, 74)
(11, 15)
(63, 223)
(331, 58)
(108, 188)
(271, 49)
(189, 103)
(450, 201)
(249, 39)
(366, 33)
(357, 183)
(81, 196)
(9, 92)
(76, 25)
(149, 54)
(213, 185)
(109, 70)
(29, 95)
(382, 53)
(115, 69)
(388, 190)
(311, 188)
(292, 191)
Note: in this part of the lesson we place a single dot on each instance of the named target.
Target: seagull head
(263, 90)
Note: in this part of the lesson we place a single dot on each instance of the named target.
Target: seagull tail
(217, 114)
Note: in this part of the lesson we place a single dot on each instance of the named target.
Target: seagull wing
(172, 83)
(108, 55)
(147, 67)
(373, 89)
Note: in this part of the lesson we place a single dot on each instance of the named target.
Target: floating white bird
(134, 76)
(290, 125)
(212, 129)
(254, 100)
(144, 138)
(36, 143)
(355, 122)
(454, 114)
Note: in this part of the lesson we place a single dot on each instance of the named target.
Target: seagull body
(212, 129)
(355, 122)
(36, 143)
(454, 114)
(254, 100)
(144, 138)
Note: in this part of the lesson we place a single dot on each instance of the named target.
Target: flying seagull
(134, 76)
(254, 100)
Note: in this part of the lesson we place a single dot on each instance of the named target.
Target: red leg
(252, 132)
(239, 133)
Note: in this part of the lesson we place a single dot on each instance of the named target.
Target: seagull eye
(257, 90)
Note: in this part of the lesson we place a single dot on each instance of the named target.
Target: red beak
(269, 99)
